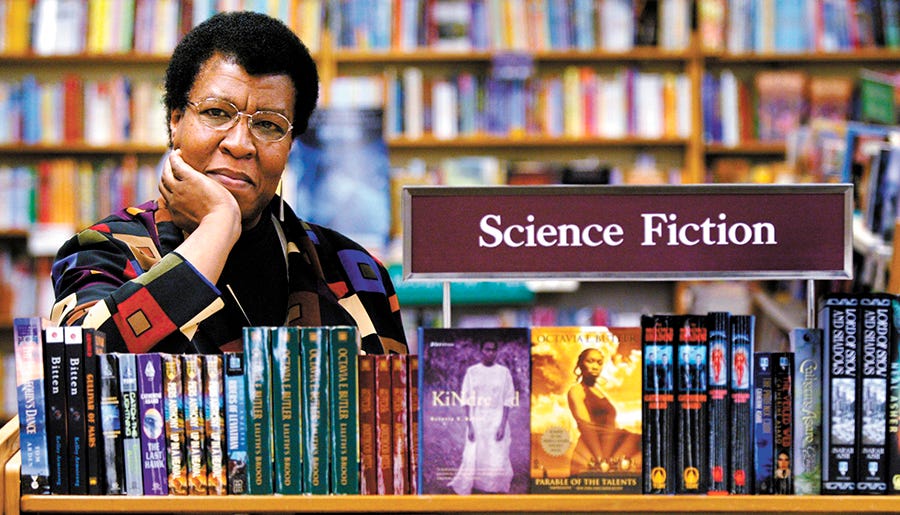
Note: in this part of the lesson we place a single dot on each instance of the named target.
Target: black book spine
(111, 425)
(740, 476)
(719, 334)
(76, 425)
(783, 406)
(692, 422)
(872, 391)
(94, 344)
(55, 379)
(763, 423)
(658, 404)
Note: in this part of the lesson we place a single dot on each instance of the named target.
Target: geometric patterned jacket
(122, 277)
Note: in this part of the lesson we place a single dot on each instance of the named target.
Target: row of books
(75, 109)
(511, 25)
(580, 102)
(60, 27)
(24, 283)
(741, 26)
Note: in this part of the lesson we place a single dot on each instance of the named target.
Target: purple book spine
(152, 425)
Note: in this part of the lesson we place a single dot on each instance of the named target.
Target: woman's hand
(192, 197)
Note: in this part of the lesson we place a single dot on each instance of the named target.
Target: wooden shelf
(758, 148)
(429, 142)
(868, 55)
(424, 56)
(67, 149)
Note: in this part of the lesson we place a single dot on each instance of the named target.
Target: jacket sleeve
(119, 285)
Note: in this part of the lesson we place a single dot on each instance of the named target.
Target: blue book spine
(152, 424)
(35, 471)
(235, 422)
(763, 423)
(257, 362)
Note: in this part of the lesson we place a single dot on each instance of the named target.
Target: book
(839, 320)
(474, 427)
(875, 324)
(343, 354)
(55, 397)
(412, 381)
(131, 432)
(893, 405)
(173, 414)
(28, 349)
(400, 429)
(257, 356)
(585, 410)
(743, 347)
(658, 404)
(194, 424)
(214, 418)
(287, 421)
(781, 102)
(384, 427)
(763, 423)
(111, 425)
(94, 344)
(235, 422)
(368, 476)
(315, 401)
(783, 425)
(692, 417)
(806, 344)
(76, 426)
(152, 424)
(718, 326)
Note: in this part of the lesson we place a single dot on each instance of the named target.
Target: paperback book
(28, 342)
(173, 414)
(194, 424)
(806, 344)
(719, 402)
(314, 399)
(743, 346)
(257, 363)
(783, 406)
(214, 418)
(131, 442)
(872, 380)
(76, 427)
(658, 404)
(235, 422)
(111, 425)
(152, 423)
(54, 382)
(94, 344)
(286, 421)
(344, 412)
(692, 423)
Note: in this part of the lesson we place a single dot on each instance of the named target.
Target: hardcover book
(344, 412)
(782, 407)
(286, 419)
(314, 399)
(806, 344)
(28, 342)
(94, 344)
(474, 427)
(152, 423)
(76, 426)
(257, 362)
(412, 381)
(740, 474)
(872, 388)
(111, 425)
(692, 423)
(173, 414)
(131, 432)
(235, 422)
(400, 429)
(585, 410)
(718, 326)
(368, 475)
(384, 426)
(57, 413)
(763, 423)
(214, 417)
(658, 404)
(194, 424)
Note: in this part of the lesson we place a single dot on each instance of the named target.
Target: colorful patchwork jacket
(123, 277)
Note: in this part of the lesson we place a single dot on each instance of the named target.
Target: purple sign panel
(637, 232)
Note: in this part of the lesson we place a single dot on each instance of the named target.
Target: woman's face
(592, 363)
(248, 167)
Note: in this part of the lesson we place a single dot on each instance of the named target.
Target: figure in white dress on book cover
(488, 394)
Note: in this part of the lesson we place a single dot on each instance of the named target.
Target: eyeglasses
(222, 115)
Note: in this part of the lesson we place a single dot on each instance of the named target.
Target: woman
(218, 250)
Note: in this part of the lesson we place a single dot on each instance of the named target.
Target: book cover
(111, 425)
(235, 422)
(173, 414)
(152, 424)
(214, 418)
(806, 344)
(839, 320)
(257, 362)
(474, 427)
(783, 426)
(743, 346)
(718, 325)
(368, 475)
(286, 418)
(194, 424)
(384, 427)
(763, 424)
(315, 402)
(57, 413)
(28, 343)
(343, 356)
(400, 429)
(131, 432)
(412, 381)
(692, 415)
(781, 103)
(94, 344)
(76, 426)
(658, 404)
(585, 410)
(872, 387)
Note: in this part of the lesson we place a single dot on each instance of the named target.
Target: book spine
(807, 447)
(214, 416)
(893, 402)
(173, 403)
(27, 340)
(874, 346)
(740, 474)
(131, 443)
(259, 410)
(57, 412)
(368, 475)
(840, 317)
(94, 344)
(384, 426)
(152, 424)
(235, 422)
(111, 425)
(286, 417)
(763, 423)
(658, 405)
(719, 334)
(343, 359)
(783, 405)
(691, 457)
(412, 363)
(314, 374)
(76, 428)
(194, 424)
(399, 393)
